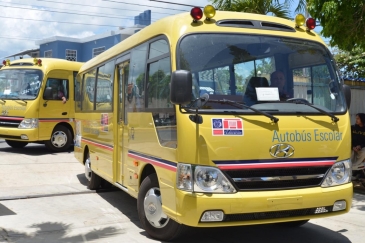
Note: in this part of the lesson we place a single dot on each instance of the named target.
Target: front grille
(8, 122)
(276, 214)
(274, 178)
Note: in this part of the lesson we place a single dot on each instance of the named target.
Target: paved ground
(43, 199)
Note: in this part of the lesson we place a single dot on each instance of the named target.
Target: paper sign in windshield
(227, 127)
(267, 94)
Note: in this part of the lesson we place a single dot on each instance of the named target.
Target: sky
(26, 21)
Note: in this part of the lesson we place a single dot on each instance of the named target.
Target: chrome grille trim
(279, 178)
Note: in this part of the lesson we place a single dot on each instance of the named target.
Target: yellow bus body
(125, 153)
(48, 114)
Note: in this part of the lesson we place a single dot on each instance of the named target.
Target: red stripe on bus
(154, 162)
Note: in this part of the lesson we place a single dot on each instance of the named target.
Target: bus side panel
(144, 147)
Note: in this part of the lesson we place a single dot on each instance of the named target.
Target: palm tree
(254, 6)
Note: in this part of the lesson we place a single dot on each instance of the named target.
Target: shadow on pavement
(82, 179)
(265, 233)
(57, 232)
(4, 211)
(32, 150)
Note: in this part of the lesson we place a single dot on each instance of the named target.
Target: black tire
(60, 140)
(16, 144)
(294, 223)
(93, 180)
(165, 229)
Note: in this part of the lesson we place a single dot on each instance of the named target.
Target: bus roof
(47, 64)
(224, 21)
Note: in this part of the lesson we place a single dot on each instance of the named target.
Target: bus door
(52, 110)
(122, 133)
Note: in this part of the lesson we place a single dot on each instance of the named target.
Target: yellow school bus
(32, 109)
(199, 132)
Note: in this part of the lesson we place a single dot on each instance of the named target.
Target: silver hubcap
(153, 208)
(88, 169)
(59, 139)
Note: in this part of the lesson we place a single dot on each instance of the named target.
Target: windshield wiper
(21, 100)
(3, 100)
(201, 101)
(239, 105)
(305, 102)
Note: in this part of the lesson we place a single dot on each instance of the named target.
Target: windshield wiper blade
(239, 105)
(3, 100)
(21, 100)
(305, 102)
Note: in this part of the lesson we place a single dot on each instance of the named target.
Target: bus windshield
(20, 83)
(265, 72)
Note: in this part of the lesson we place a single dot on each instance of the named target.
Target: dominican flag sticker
(227, 127)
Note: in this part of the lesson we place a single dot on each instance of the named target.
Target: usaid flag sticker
(227, 127)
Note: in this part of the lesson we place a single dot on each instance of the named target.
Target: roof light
(6, 62)
(37, 62)
(310, 23)
(196, 13)
(209, 11)
(299, 20)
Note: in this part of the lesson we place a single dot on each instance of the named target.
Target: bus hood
(221, 140)
(14, 108)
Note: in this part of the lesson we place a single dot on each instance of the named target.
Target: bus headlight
(210, 179)
(339, 174)
(28, 123)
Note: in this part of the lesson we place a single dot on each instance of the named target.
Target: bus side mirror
(347, 92)
(48, 93)
(181, 87)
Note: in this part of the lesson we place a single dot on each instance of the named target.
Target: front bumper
(16, 134)
(269, 206)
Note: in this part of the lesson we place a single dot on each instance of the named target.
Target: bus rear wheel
(60, 140)
(149, 204)
(16, 144)
(93, 180)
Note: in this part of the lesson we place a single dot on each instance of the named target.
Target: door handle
(64, 113)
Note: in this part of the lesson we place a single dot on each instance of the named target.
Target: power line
(99, 6)
(144, 5)
(53, 11)
(181, 4)
(65, 22)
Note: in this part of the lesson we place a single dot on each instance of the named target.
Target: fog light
(321, 210)
(339, 205)
(212, 216)
(25, 137)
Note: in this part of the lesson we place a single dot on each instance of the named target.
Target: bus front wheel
(60, 140)
(16, 144)
(149, 204)
(93, 180)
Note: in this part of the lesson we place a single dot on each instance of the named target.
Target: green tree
(342, 21)
(254, 6)
(351, 63)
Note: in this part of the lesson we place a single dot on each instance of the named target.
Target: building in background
(83, 49)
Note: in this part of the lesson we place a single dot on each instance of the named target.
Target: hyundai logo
(281, 150)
